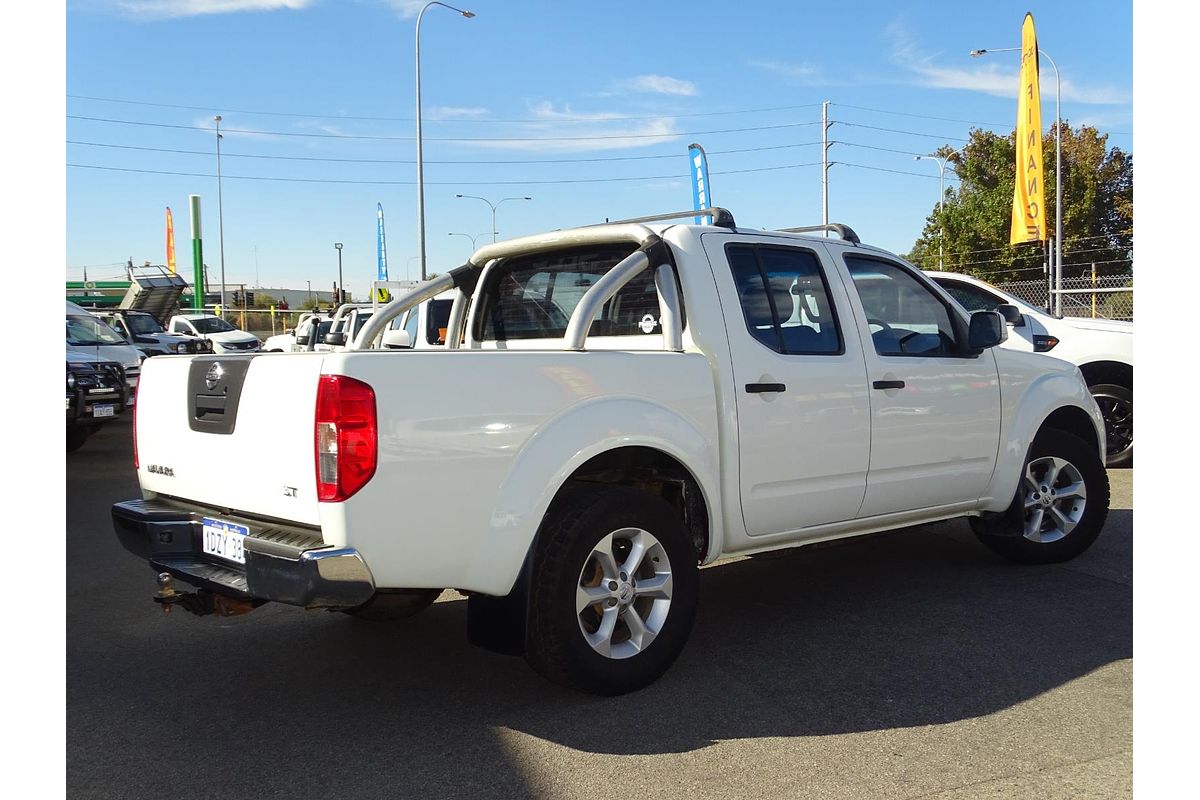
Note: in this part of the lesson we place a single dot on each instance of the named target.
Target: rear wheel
(614, 590)
(1060, 506)
(1116, 405)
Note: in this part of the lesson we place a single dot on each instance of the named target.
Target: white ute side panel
(453, 440)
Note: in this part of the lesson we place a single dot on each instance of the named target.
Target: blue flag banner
(382, 247)
(698, 166)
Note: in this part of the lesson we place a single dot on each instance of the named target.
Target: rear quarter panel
(474, 445)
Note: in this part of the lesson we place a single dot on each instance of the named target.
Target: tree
(975, 217)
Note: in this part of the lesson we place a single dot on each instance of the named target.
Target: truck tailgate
(234, 432)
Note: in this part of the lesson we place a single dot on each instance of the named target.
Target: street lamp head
(977, 53)
(468, 14)
(526, 198)
(337, 245)
(217, 118)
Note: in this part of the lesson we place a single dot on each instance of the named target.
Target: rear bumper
(285, 565)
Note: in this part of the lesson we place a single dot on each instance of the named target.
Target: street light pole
(220, 213)
(341, 293)
(942, 161)
(420, 150)
(473, 239)
(493, 207)
(1058, 233)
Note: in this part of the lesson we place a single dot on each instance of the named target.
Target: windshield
(88, 330)
(143, 323)
(359, 321)
(212, 325)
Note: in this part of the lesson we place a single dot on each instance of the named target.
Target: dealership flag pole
(197, 254)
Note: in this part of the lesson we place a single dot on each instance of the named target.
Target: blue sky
(627, 85)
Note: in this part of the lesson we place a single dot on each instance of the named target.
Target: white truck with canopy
(614, 407)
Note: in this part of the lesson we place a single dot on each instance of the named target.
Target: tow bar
(201, 602)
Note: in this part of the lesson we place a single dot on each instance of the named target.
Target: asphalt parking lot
(910, 665)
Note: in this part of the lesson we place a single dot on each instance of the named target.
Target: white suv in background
(1101, 348)
(225, 338)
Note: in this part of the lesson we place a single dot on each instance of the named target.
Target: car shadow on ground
(921, 627)
(915, 628)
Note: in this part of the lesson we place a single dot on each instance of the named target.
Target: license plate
(224, 539)
(102, 411)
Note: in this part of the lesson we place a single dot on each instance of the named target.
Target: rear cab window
(533, 297)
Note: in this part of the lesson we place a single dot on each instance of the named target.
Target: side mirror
(988, 329)
(1011, 314)
(397, 339)
(335, 338)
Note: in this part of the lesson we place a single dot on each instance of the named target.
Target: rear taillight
(344, 437)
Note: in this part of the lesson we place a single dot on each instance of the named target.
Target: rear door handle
(759, 388)
(888, 385)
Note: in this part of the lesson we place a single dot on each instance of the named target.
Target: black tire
(1116, 404)
(387, 605)
(76, 436)
(555, 644)
(1006, 537)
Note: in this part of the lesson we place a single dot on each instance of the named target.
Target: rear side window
(785, 299)
(533, 297)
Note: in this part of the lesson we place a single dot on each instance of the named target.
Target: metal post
(420, 149)
(1058, 176)
(220, 213)
(1093, 290)
(341, 290)
(197, 253)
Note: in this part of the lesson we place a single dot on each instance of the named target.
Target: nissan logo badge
(213, 376)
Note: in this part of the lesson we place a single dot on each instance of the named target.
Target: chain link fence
(1104, 297)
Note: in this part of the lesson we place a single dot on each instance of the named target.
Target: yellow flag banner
(170, 242)
(1029, 209)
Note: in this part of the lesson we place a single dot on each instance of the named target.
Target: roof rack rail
(721, 217)
(844, 231)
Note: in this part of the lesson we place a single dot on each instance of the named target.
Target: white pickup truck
(621, 404)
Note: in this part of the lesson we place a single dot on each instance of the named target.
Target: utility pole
(220, 211)
(825, 164)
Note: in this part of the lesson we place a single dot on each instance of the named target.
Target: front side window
(784, 299)
(906, 318)
(533, 297)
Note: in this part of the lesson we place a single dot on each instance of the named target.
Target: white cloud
(805, 74)
(654, 84)
(192, 8)
(407, 9)
(584, 132)
(457, 112)
(995, 77)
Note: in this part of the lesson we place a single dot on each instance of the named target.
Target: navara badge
(213, 376)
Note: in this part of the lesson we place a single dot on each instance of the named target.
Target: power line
(884, 169)
(427, 161)
(603, 137)
(906, 133)
(337, 116)
(675, 176)
(920, 116)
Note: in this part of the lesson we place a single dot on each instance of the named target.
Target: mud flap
(498, 623)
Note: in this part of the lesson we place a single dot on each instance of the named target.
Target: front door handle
(759, 388)
(888, 385)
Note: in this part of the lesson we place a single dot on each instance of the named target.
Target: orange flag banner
(170, 242)
(1029, 207)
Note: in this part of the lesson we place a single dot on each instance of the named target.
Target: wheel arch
(625, 441)
(1114, 372)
